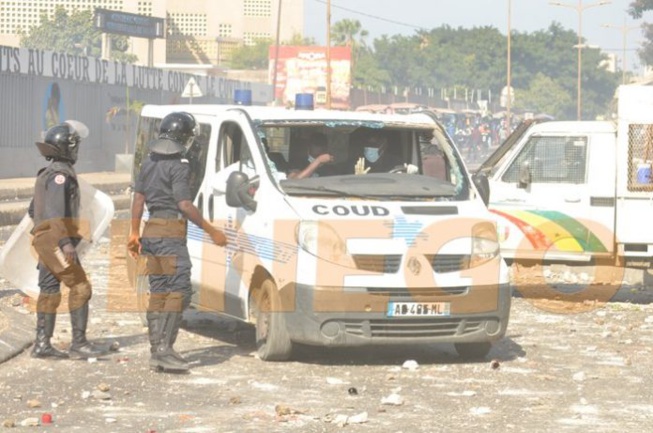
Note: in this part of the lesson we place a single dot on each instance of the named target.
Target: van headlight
(485, 244)
(321, 240)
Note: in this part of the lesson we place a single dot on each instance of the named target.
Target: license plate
(418, 309)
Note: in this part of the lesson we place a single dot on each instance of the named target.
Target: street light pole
(624, 31)
(276, 58)
(508, 77)
(328, 56)
(580, 8)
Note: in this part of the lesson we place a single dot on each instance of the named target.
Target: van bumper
(338, 317)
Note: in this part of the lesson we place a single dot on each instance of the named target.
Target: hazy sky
(391, 17)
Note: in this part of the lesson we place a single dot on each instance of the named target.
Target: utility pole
(508, 77)
(276, 57)
(328, 56)
(580, 8)
(624, 31)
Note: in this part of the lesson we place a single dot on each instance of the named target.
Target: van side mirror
(525, 177)
(238, 191)
(483, 186)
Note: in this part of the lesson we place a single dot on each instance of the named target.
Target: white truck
(405, 256)
(578, 192)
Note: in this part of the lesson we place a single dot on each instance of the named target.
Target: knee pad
(175, 302)
(156, 302)
(48, 302)
(80, 294)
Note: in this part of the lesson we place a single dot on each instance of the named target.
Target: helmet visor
(78, 127)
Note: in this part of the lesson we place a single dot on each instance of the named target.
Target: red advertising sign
(304, 70)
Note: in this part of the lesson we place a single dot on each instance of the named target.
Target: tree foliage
(253, 56)
(73, 33)
(636, 10)
(476, 59)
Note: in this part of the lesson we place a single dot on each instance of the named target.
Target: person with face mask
(316, 160)
(377, 157)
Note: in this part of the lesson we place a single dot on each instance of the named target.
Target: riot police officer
(57, 231)
(163, 186)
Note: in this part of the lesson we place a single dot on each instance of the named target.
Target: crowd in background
(475, 133)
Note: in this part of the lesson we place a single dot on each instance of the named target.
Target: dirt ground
(565, 365)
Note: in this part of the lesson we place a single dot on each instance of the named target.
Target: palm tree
(350, 33)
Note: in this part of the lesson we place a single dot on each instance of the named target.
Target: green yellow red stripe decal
(546, 229)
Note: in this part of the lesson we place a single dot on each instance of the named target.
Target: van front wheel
(473, 350)
(272, 339)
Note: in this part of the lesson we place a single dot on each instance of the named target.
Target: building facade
(198, 31)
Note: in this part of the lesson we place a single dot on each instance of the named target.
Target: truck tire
(473, 350)
(272, 339)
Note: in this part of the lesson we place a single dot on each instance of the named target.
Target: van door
(222, 285)
(551, 205)
(201, 158)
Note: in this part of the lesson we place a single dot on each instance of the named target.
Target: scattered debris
(579, 377)
(104, 387)
(494, 364)
(235, 400)
(9, 423)
(282, 410)
(480, 410)
(342, 420)
(101, 395)
(411, 365)
(335, 381)
(352, 391)
(30, 422)
(33, 403)
(393, 400)
(46, 418)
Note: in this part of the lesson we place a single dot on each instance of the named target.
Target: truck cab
(577, 191)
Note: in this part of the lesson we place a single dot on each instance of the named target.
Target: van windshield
(371, 161)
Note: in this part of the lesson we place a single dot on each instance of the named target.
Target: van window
(552, 160)
(232, 148)
(196, 155)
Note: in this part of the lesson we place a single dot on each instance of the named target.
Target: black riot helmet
(176, 133)
(61, 142)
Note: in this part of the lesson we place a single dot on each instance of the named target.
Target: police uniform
(163, 180)
(55, 212)
(162, 184)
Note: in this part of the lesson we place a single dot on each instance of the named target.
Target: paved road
(565, 371)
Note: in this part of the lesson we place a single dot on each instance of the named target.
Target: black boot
(173, 339)
(44, 331)
(162, 327)
(154, 332)
(81, 347)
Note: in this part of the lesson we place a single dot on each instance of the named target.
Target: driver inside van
(317, 158)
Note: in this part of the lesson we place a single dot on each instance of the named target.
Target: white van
(344, 259)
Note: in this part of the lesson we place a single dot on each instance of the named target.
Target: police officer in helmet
(57, 231)
(163, 186)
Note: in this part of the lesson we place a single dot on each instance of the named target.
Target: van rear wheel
(272, 339)
(473, 350)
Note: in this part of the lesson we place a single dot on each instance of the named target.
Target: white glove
(411, 169)
(359, 168)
